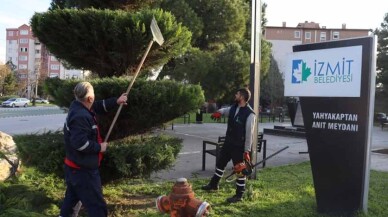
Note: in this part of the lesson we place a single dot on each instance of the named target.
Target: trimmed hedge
(150, 103)
(109, 42)
(132, 157)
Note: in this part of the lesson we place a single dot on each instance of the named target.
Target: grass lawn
(285, 191)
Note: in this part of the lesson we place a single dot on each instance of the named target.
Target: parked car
(381, 117)
(13, 102)
(40, 100)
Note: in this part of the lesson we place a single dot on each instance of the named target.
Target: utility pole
(37, 75)
(28, 85)
(36, 85)
(255, 73)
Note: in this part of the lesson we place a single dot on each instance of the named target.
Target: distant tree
(109, 43)
(10, 85)
(382, 55)
(185, 14)
(194, 67)
(4, 71)
(272, 85)
(265, 49)
(184, 67)
(215, 22)
(231, 71)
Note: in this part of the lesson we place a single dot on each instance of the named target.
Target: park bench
(215, 148)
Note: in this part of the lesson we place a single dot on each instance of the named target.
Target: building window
(22, 66)
(37, 51)
(22, 76)
(323, 36)
(23, 41)
(10, 33)
(54, 67)
(336, 35)
(307, 35)
(52, 58)
(23, 49)
(297, 34)
(23, 58)
(23, 32)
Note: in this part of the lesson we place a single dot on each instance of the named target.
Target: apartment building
(283, 37)
(32, 60)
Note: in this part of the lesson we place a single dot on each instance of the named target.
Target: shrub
(139, 156)
(109, 42)
(131, 157)
(150, 103)
(45, 152)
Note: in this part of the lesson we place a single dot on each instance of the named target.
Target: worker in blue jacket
(84, 148)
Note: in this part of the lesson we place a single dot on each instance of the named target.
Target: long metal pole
(128, 89)
(255, 72)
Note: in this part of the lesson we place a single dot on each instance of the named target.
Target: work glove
(216, 116)
(247, 156)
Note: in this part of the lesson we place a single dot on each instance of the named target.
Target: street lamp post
(1, 86)
(255, 72)
(36, 85)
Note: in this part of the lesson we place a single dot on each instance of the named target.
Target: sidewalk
(189, 162)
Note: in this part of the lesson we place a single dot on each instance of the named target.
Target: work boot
(236, 198)
(210, 187)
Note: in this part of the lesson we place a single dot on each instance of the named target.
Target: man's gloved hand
(216, 116)
(247, 156)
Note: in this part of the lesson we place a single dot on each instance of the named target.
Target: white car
(40, 100)
(13, 102)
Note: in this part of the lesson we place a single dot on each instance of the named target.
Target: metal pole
(36, 86)
(255, 72)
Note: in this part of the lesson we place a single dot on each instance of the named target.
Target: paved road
(29, 111)
(189, 162)
(32, 123)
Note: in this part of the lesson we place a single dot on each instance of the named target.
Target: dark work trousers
(85, 186)
(229, 152)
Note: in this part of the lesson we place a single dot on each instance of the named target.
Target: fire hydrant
(181, 202)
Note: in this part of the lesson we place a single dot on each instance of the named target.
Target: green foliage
(107, 4)
(131, 157)
(382, 54)
(278, 192)
(109, 42)
(139, 156)
(4, 98)
(220, 75)
(150, 103)
(185, 15)
(217, 71)
(223, 22)
(32, 148)
(193, 67)
(272, 86)
(31, 194)
(231, 72)
(9, 85)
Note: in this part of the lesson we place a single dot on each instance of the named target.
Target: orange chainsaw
(245, 168)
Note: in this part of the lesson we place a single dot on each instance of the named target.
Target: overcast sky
(359, 14)
(330, 13)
